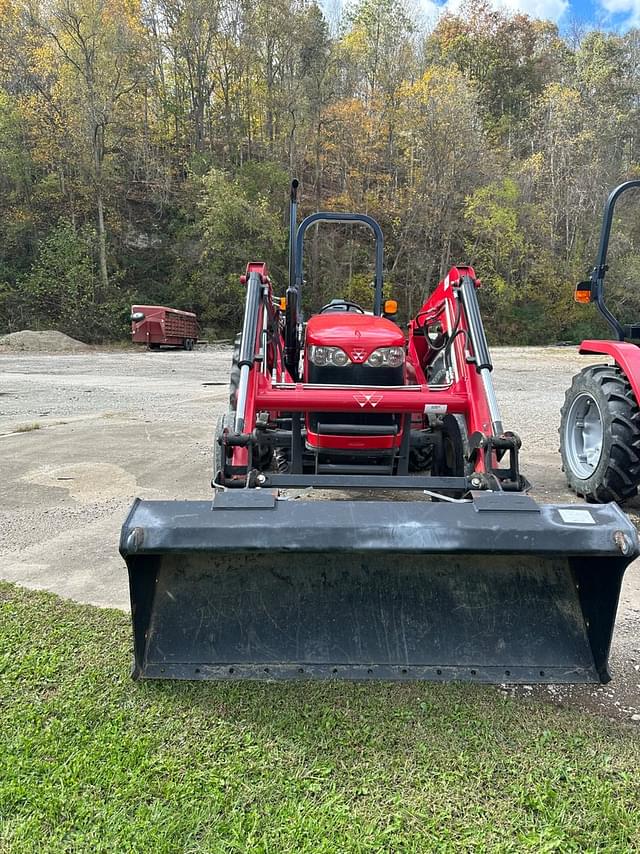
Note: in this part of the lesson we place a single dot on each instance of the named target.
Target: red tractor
(600, 418)
(481, 583)
(346, 400)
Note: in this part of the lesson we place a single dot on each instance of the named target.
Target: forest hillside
(146, 148)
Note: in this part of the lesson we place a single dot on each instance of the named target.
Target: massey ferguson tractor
(600, 419)
(465, 578)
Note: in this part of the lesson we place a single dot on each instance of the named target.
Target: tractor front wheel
(600, 435)
(223, 422)
(234, 379)
(451, 459)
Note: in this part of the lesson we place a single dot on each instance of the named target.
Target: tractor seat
(341, 306)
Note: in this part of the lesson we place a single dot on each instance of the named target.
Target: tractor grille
(354, 375)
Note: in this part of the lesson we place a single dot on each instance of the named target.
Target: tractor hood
(357, 334)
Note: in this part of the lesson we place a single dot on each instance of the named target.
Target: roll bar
(296, 250)
(597, 275)
(364, 219)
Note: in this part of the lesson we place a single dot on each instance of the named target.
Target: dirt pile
(50, 341)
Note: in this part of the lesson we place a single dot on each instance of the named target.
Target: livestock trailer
(156, 325)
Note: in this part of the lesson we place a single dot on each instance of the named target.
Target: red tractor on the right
(600, 418)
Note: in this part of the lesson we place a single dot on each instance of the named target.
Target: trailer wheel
(600, 435)
(188, 343)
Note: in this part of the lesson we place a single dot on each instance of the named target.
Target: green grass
(90, 761)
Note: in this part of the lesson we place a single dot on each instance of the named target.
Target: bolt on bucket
(254, 587)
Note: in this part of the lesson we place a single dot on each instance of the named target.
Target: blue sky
(614, 15)
(619, 15)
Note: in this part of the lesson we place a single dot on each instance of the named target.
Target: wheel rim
(583, 436)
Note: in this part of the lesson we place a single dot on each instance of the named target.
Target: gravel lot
(102, 427)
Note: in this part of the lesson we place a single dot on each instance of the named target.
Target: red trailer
(154, 325)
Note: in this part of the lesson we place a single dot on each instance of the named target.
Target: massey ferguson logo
(357, 355)
(372, 399)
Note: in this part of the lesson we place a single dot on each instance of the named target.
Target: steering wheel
(339, 303)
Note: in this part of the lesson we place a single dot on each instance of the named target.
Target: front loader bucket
(495, 590)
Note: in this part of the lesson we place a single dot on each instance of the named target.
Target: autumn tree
(146, 147)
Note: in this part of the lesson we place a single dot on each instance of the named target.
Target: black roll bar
(598, 273)
(364, 219)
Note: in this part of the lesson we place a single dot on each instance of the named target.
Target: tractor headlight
(324, 356)
(386, 357)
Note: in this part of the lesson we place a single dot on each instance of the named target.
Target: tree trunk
(102, 242)
(98, 149)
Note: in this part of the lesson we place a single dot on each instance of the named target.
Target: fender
(626, 356)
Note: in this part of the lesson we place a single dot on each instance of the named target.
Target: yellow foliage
(7, 11)
(437, 82)
(355, 41)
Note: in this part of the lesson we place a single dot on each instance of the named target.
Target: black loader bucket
(498, 589)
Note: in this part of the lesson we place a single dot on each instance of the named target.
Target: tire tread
(619, 480)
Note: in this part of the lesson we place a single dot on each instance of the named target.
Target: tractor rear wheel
(420, 458)
(600, 435)
(281, 460)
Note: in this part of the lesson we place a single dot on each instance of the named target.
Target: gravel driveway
(99, 428)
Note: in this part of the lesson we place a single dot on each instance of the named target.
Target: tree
(61, 289)
(170, 130)
(442, 163)
(99, 43)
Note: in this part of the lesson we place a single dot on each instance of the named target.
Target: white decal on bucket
(577, 517)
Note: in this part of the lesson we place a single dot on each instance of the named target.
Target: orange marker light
(390, 306)
(583, 292)
(281, 302)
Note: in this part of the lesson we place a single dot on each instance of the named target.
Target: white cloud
(630, 9)
(551, 10)
(548, 9)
